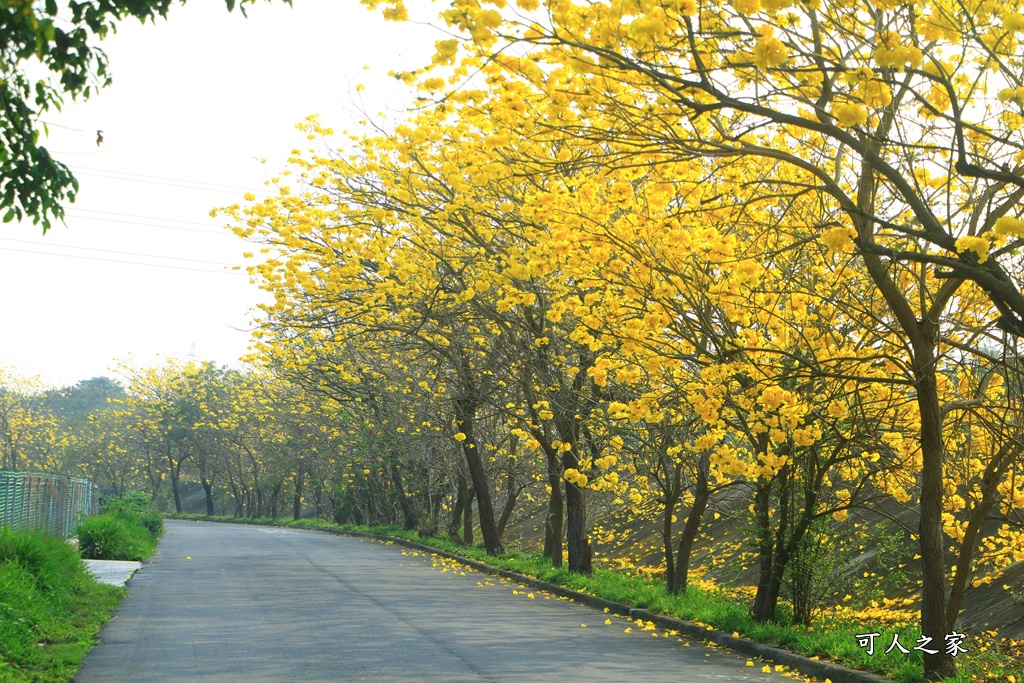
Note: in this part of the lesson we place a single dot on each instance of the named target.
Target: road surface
(224, 602)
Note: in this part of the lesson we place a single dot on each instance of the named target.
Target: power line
(160, 177)
(119, 253)
(165, 184)
(127, 263)
(219, 233)
(162, 180)
(57, 125)
(145, 218)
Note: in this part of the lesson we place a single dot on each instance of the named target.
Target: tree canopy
(797, 224)
(664, 262)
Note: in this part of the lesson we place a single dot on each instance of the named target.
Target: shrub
(127, 529)
(140, 506)
(114, 536)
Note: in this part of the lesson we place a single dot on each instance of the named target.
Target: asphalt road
(268, 604)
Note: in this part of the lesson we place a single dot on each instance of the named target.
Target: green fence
(33, 500)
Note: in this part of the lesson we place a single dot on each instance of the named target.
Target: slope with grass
(51, 608)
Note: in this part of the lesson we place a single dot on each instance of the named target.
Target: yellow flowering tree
(378, 264)
(905, 117)
(455, 274)
(28, 428)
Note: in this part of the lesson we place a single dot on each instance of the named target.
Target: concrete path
(112, 572)
(221, 602)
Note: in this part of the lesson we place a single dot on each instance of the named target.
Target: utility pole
(192, 352)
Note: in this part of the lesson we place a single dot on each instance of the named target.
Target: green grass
(50, 608)
(827, 639)
(128, 529)
(111, 537)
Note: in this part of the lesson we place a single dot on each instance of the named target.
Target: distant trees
(28, 434)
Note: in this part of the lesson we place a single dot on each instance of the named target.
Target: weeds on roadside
(50, 608)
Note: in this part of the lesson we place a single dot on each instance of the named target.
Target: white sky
(195, 100)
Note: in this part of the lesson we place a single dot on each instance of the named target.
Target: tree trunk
(923, 334)
(177, 493)
(762, 611)
(672, 495)
(933, 583)
(989, 488)
(465, 416)
(208, 490)
(435, 511)
(774, 586)
(701, 496)
(467, 517)
(408, 516)
(297, 500)
(580, 560)
(779, 546)
(556, 513)
(155, 481)
(576, 540)
(509, 507)
(783, 551)
(175, 471)
(202, 464)
(237, 493)
(460, 503)
(274, 496)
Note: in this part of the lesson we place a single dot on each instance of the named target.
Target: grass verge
(50, 608)
(832, 637)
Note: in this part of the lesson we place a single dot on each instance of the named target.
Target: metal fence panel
(35, 500)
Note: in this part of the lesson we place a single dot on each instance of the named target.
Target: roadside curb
(811, 667)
